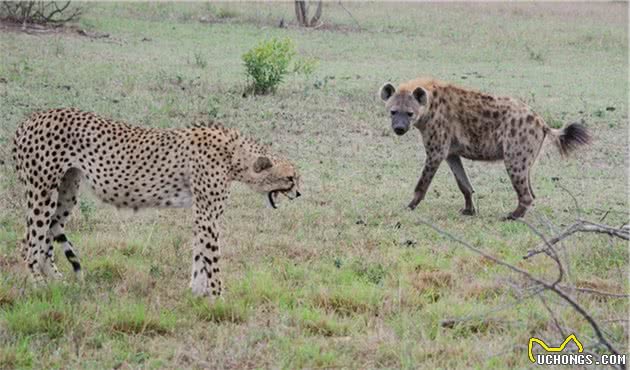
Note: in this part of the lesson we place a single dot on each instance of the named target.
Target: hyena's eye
(393, 112)
(410, 114)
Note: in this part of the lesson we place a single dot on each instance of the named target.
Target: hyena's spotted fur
(455, 122)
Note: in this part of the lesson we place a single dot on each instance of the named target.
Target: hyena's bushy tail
(570, 138)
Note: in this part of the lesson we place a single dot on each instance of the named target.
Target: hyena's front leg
(430, 168)
(436, 152)
(455, 163)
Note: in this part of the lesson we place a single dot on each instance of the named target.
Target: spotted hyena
(457, 122)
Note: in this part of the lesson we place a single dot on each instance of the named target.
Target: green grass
(133, 318)
(345, 276)
(45, 312)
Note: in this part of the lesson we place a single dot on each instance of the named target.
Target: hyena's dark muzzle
(400, 123)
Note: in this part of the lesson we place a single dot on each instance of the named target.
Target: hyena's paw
(413, 204)
(511, 217)
(468, 211)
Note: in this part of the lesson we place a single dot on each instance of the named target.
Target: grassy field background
(345, 276)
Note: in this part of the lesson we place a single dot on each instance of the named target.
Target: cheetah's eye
(290, 178)
(393, 112)
(410, 114)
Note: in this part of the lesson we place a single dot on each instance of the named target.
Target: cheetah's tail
(14, 152)
(570, 137)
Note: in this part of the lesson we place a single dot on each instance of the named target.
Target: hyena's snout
(400, 129)
(400, 123)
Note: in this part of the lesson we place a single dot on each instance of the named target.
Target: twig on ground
(581, 226)
(575, 201)
(549, 286)
(553, 316)
(605, 215)
(595, 292)
(351, 16)
(449, 323)
(551, 252)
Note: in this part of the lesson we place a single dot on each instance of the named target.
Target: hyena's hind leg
(529, 183)
(518, 167)
(67, 199)
(455, 163)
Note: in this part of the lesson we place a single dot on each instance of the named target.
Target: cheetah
(134, 167)
(455, 122)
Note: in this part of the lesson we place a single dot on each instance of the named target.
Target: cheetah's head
(270, 175)
(405, 107)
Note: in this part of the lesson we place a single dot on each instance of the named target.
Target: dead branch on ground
(554, 286)
(39, 12)
(584, 227)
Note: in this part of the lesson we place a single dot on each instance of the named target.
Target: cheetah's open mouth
(272, 196)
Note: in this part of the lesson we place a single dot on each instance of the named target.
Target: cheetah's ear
(387, 91)
(261, 164)
(420, 95)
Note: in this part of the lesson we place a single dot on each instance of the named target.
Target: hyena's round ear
(261, 164)
(420, 95)
(387, 91)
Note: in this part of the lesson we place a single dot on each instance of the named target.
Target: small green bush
(16, 355)
(305, 66)
(268, 63)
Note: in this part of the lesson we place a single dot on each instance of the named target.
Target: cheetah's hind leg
(67, 199)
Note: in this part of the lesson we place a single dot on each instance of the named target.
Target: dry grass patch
(137, 284)
(318, 323)
(106, 271)
(432, 280)
(482, 290)
(348, 300)
(467, 264)
(233, 311)
(15, 356)
(134, 318)
(8, 294)
(600, 285)
(482, 325)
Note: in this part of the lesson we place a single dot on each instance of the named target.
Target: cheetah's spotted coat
(134, 167)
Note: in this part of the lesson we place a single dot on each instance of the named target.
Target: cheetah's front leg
(205, 279)
(208, 203)
(37, 248)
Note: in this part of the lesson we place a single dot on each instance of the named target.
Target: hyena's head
(405, 107)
